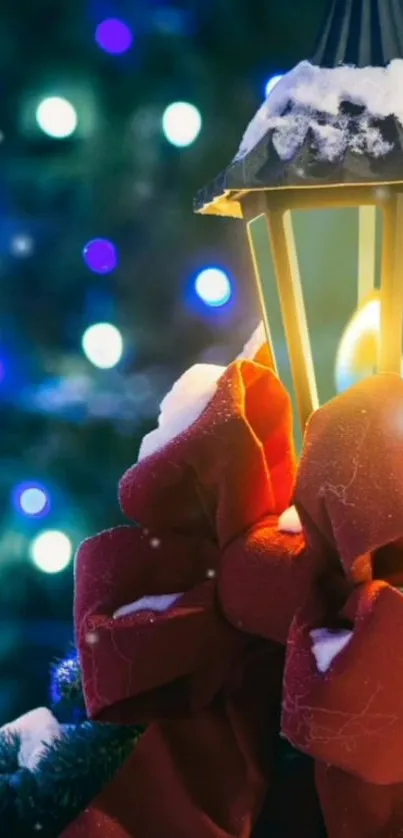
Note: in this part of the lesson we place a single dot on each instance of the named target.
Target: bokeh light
(169, 20)
(213, 287)
(103, 345)
(100, 255)
(57, 117)
(22, 245)
(271, 83)
(181, 124)
(51, 551)
(114, 36)
(31, 499)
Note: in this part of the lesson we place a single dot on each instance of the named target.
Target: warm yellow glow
(357, 356)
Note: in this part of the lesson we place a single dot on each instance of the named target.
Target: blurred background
(113, 113)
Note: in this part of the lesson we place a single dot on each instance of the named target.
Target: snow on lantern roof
(326, 125)
(330, 102)
(318, 127)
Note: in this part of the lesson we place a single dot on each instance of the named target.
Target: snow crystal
(289, 135)
(255, 342)
(369, 140)
(308, 92)
(35, 729)
(331, 140)
(92, 638)
(289, 521)
(184, 404)
(327, 645)
(148, 603)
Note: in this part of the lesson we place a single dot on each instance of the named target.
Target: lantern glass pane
(327, 247)
(339, 254)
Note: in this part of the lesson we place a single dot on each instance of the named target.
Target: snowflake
(92, 638)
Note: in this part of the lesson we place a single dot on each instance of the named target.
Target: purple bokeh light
(100, 255)
(114, 36)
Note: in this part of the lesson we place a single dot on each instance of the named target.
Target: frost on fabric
(190, 396)
(183, 405)
(255, 342)
(289, 521)
(327, 645)
(35, 730)
(159, 604)
(341, 107)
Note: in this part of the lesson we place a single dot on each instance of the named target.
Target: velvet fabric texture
(208, 673)
(210, 691)
(349, 495)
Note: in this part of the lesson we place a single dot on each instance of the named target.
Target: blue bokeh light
(114, 36)
(100, 256)
(213, 287)
(31, 499)
(271, 84)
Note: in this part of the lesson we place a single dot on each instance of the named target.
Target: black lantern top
(327, 122)
(361, 32)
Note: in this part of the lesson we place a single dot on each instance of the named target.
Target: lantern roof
(362, 33)
(337, 120)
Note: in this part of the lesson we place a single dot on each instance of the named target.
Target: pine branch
(69, 776)
(9, 747)
(66, 691)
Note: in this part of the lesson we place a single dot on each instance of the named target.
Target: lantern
(329, 135)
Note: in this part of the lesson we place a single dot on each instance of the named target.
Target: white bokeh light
(51, 551)
(57, 117)
(103, 345)
(181, 124)
(213, 287)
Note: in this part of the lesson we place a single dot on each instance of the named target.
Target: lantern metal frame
(276, 207)
(259, 185)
